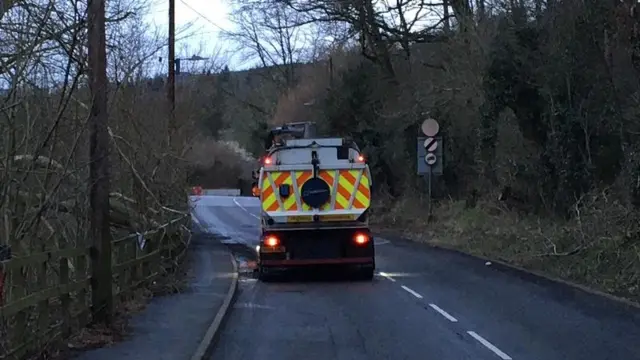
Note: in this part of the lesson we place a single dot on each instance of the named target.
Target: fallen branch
(137, 175)
(567, 253)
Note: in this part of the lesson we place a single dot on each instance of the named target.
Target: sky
(203, 20)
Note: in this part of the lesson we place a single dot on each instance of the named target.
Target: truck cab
(315, 194)
(277, 136)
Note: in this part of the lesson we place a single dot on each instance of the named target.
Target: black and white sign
(430, 159)
(424, 165)
(141, 241)
(431, 144)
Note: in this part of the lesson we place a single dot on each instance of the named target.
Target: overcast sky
(204, 20)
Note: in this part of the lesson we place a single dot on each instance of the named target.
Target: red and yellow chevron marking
(347, 180)
(268, 196)
(347, 189)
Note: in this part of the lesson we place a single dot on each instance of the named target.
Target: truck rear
(315, 195)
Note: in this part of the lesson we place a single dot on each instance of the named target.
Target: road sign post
(430, 156)
(429, 195)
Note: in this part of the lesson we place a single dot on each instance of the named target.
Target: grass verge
(598, 247)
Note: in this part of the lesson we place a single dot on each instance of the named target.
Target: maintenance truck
(314, 195)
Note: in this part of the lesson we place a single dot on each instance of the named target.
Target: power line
(202, 16)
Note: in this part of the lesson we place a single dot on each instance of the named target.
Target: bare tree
(377, 27)
(46, 103)
(272, 36)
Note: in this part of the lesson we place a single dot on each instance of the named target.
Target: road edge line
(208, 341)
(245, 210)
(512, 267)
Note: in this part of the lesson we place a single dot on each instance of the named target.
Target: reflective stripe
(363, 195)
(289, 202)
(328, 177)
(349, 190)
(296, 190)
(345, 189)
(269, 198)
(301, 178)
(334, 190)
(353, 190)
(355, 186)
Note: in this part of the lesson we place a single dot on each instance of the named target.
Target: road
(424, 304)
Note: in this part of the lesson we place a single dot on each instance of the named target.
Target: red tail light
(271, 241)
(267, 161)
(360, 158)
(361, 238)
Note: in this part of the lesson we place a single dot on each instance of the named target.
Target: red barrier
(5, 254)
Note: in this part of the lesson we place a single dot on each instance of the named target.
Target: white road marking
(387, 276)
(380, 242)
(489, 345)
(252, 306)
(412, 292)
(443, 313)
(243, 208)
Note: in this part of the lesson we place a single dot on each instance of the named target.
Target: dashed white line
(387, 276)
(435, 307)
(443, 313)
(243, 208)
(489, 345)
(410, 291)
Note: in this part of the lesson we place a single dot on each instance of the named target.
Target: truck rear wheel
(263, 274)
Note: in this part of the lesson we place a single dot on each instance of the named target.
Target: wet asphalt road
(424, 304)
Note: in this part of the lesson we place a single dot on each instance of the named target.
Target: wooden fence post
(43, 305)
(81, 275)
(19, 290)
(65, 298)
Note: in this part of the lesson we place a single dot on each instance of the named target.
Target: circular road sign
(430, 158)
(430, 144)
(430, 127)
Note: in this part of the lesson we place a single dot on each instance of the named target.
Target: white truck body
(295, 177)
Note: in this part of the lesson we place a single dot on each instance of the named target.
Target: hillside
(540, 121)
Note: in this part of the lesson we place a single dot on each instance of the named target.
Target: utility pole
(99, 167)
(447, 19)
(171, 88)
